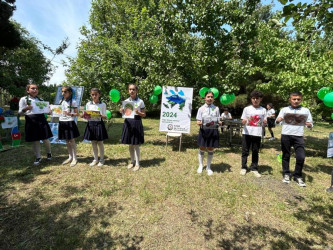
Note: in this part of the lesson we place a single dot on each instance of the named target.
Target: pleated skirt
(36, 128)
(208, 138)
(95, 131)
(68, 130)
(132, 132)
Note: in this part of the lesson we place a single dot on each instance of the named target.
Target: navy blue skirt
(68, 130)
(95, 131)
(208, 138)
(36, 128)
(133, 131)
(271, 122)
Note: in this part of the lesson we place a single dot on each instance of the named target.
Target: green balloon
(153, 99)
(108, 114)
(157, 90)
(225, 99)
(215, 92)
(203, 91)
(332, 116)
(46, 116)
(328, 100)
(114, 95)
(322, 92)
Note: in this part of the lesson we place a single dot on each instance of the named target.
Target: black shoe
(37, 161)
(49, 156)
(330, 189)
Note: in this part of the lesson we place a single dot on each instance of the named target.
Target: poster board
(176, 108)
(56, 110)
(330, 145)
(210, 122)
(295, 119)
(9, 122)
(40, 107)
(129, 109)
(91, 114)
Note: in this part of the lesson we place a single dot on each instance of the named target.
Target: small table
(233, 125)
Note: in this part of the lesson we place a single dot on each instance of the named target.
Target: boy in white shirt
(254, 117)
(294, 118)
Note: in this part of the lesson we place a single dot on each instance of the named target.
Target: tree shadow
(155, 162)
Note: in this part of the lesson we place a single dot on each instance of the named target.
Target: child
(95, 130)
(208, 139)
(36, 125)
(253, 119)
(225, 116)
(132, 133)
(270, 120)
(294, 118)
(67, 127)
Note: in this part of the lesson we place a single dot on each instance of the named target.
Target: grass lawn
(166, 204)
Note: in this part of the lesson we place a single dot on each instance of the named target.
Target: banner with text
(176, 107)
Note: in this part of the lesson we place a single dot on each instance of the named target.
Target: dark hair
(95, 90)
(69, 89)
(270, 104)
(256, 93)
(208, 92)
(295, 93)
(136, 86)
(226, 109)
(28, 86)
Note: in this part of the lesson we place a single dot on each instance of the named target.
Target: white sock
(95, 150)
(137, 155)
(201, 156)
(47, 145)
(131, 150)
(101, 149)
(69, 149)
(36, 148)
(209, 158)
(74, 150)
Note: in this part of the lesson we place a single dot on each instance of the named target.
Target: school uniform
(208, 137)
(270, 120)
(67, 127)
(133, 133)
(292, 136)
(252, 133)
(95, 129)
(36, 125)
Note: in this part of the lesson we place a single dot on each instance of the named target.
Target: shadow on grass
(250, 235)
(155, 162)
(68, 224)
(265, 169)
(221, 168)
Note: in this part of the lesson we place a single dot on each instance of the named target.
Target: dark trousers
(247, 142)
(288, 141)
(332, 179)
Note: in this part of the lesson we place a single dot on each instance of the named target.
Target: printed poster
(129, 109)
(56, 110)
(54, 126)
(9, 122)
(176, 107)
(330, 146)
(295, 119)
(210, 122)
(91, 114)
(40, 107)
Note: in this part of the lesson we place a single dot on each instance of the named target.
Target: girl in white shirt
(133, 133)
(67, 127)
(95, 130)
(270, 119)
(36, 125)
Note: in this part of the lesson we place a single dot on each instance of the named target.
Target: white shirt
(205, 111)
(255, 119)
(23, 104)
(65, 105)
(101, 107)
(225, 116)
(270, 112)
(138, 103)
(294, 129)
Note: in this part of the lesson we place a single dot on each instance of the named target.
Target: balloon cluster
(224, 99)
(326, 95)
(154, 97)
(115, 97)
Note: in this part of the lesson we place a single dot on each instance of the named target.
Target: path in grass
(166, 204)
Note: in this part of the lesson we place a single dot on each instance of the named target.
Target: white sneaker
(136, 168)
(73, 163)
(199, 170)
(131, 165)
(300, 182)
(210, 172)
(286, 179)
(256, 173)
(101, 163)
(271, 139)
(67, 161)
(94, 162)
(243, 171)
